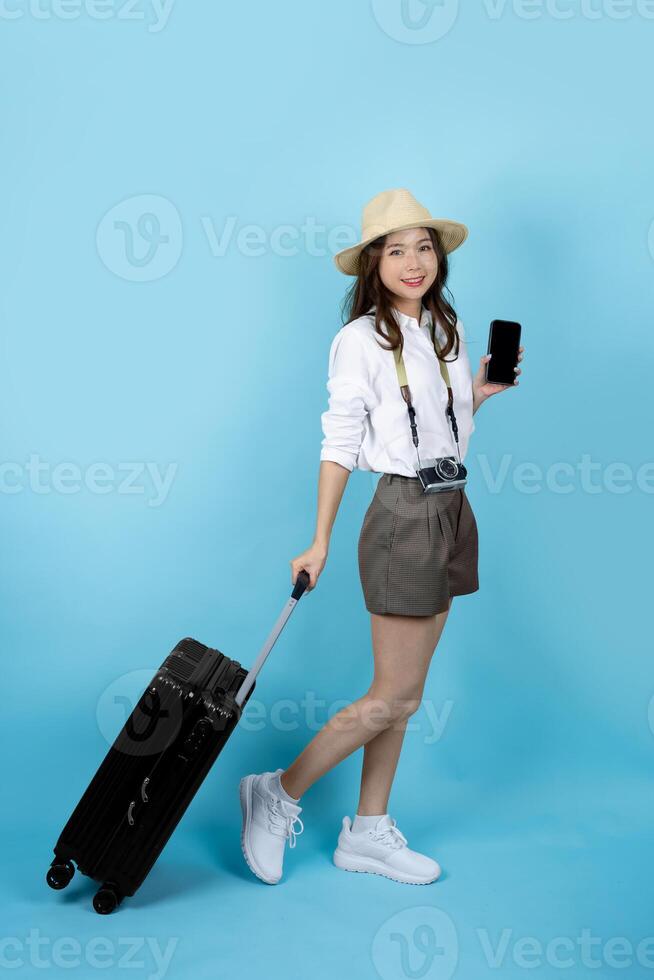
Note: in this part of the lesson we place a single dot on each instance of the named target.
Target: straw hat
(394, 211)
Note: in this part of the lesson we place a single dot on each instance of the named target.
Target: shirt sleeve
(350, 398)
(466, 360)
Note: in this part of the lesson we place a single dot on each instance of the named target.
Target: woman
(416, 550)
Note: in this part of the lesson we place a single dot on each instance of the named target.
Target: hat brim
(452, 234)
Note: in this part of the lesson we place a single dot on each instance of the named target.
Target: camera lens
(447, 468)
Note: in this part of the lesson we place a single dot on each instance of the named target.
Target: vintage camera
(444, 473)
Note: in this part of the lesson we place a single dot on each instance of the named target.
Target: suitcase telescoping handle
(301, 583)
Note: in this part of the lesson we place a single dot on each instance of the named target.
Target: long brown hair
(368, 290)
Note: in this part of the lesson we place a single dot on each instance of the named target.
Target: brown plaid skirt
(416, 550)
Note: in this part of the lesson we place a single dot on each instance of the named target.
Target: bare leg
(403, 648)
(381, 753)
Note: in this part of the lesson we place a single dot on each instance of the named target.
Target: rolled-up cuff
(348, 460)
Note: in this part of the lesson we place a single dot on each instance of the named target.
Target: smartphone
(503, 344)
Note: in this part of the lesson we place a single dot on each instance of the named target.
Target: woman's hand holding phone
(498, 343)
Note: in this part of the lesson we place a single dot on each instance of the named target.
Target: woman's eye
(428, 247)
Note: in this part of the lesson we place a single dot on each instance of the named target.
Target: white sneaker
(383, 850)
(268, 822)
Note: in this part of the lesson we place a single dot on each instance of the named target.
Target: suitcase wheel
(107, 898)
(60, 874)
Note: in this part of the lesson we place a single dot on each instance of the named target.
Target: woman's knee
(393, 706)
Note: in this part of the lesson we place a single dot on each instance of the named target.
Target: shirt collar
(410, 322)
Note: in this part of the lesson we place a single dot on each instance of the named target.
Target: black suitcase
(156, 765)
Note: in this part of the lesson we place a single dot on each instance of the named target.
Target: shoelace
(283, 824)
(391, 836)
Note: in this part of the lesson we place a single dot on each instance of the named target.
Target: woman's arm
(343, 427)
(332, 481)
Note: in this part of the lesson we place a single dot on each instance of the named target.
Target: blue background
(133, 343)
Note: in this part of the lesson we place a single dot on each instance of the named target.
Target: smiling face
(408, 267)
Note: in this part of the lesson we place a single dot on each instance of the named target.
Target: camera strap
(406, 393)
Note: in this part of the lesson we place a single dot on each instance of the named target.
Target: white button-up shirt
(366, 425)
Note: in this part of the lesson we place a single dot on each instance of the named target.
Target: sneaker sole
(351, 862)
(245, 794)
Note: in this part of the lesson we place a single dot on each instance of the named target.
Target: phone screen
(503, 344)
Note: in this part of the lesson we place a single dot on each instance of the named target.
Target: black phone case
(510, 380)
